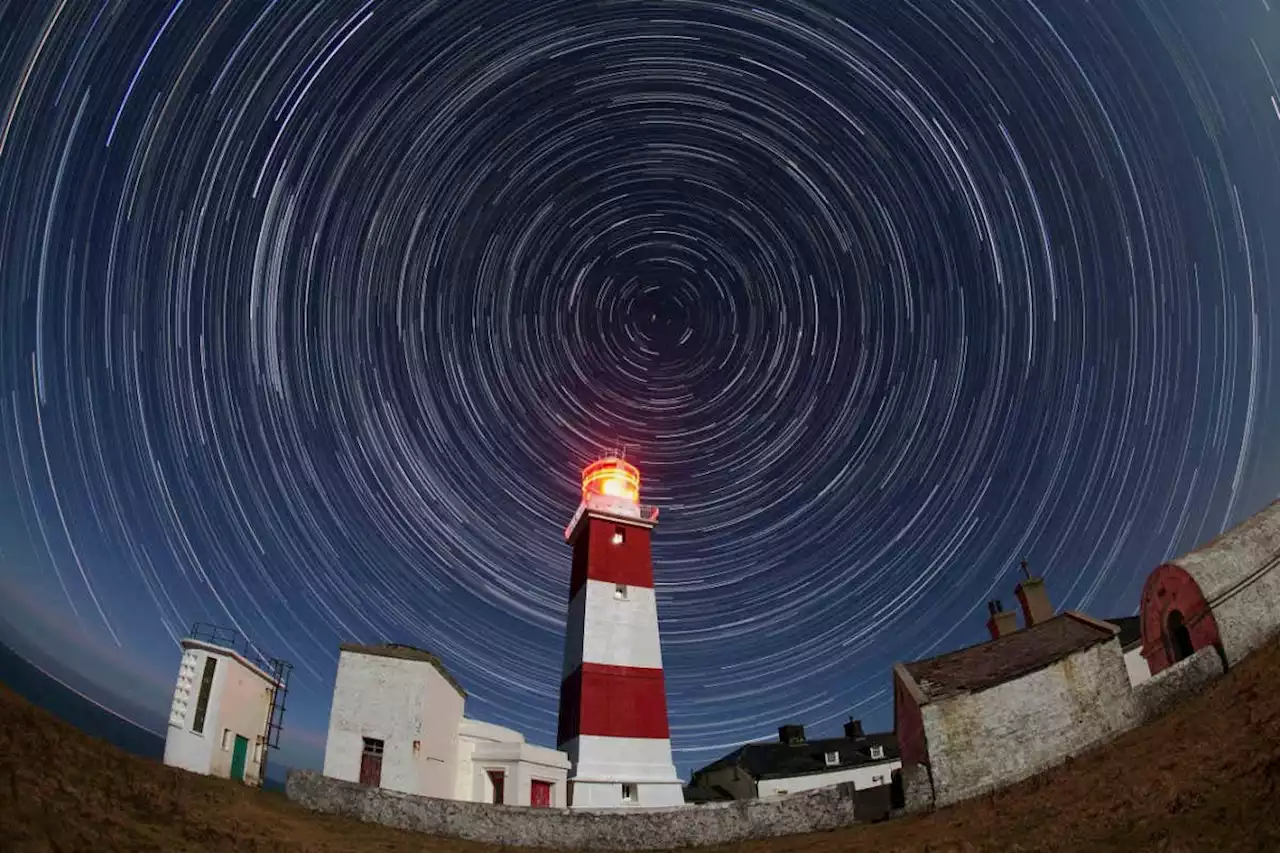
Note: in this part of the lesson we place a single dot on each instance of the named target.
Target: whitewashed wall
(864, 776)
(396, 701)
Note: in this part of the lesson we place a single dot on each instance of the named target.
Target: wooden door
(238, 755)
(371, 763)
(540, 794)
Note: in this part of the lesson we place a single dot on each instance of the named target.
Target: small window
(619, 535)
(620, 592)
(833, 758)
(877, 752)
(417, 748)
(628, 792)
(257, 751)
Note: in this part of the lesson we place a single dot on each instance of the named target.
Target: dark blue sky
(311, 314)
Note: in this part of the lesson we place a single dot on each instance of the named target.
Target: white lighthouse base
(602, 766)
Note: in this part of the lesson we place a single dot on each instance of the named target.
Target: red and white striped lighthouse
(613, 702)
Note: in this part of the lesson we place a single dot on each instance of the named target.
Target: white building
(793, 764)
(397, 723)
(223, 702)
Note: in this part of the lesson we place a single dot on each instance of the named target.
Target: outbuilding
(1223, 594)
(986, 716)
(397, 722)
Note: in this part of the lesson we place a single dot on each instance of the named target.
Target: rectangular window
(628, 792)
(499, 781)
(206, 687)
(257, 751)
(620, 592)
(226, 739)
(540, 794)
(833, 758)
(619, 535)
(877, 752)
(371, 762)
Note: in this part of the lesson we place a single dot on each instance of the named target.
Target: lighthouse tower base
(614, 772)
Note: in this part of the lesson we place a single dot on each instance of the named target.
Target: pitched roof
(403, 652)
(1130, 631)
(1011, 656)
(775, 760)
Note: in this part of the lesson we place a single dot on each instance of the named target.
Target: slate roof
(1011, 656)
(775, 760)
(1130, 631)
(403, 652)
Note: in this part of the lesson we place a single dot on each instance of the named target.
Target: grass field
(1204, 778)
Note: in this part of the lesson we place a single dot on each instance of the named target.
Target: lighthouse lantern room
(613, 703)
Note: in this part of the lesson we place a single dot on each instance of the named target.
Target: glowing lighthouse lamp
(613, 702)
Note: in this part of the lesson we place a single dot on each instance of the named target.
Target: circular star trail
(312, 314)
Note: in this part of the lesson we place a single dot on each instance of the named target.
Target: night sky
(311, 313)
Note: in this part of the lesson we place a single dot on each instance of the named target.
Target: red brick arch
(1172, 588)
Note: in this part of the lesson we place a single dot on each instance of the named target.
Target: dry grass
(1204, 778)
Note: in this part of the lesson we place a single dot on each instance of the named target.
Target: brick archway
(1171, 591)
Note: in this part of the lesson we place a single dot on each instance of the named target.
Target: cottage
(793, 763)
(397, 723)
(1223, 594)
(992, 714)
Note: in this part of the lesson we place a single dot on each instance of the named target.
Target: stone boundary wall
(1162, 691)
(618, 829)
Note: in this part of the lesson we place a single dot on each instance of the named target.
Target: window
(620, 592)
(371, 762)
(499, 781)
(206, 687)
(877, 752)
(226, 739)
(417, 748)
(619, 535)
(628, 792)
(257, 751)
(833, 758)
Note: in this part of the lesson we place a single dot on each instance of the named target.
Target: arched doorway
(1176, 619)
(1178, 636)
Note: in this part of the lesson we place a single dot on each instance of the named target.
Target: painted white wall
(864, 776)
(615, 632)
(484, 746)
(399, 702)
(239, 702)
(1136, 665)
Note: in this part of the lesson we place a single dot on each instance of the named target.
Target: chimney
(853, 729)
(792, 735)
(1001, 622)
(1034, 599)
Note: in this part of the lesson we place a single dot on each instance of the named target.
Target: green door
(238, 756)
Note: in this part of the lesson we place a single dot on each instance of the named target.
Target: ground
(1204, 778)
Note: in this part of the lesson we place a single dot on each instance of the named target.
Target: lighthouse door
(540, 794)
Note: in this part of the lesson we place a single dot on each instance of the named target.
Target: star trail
(311, 314)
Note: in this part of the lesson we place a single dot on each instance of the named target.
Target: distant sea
(45, 691)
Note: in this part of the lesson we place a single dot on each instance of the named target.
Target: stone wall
(1165, 689)
(981, 741)
(618, 829)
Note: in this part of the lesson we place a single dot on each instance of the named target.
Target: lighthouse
(613, 701)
